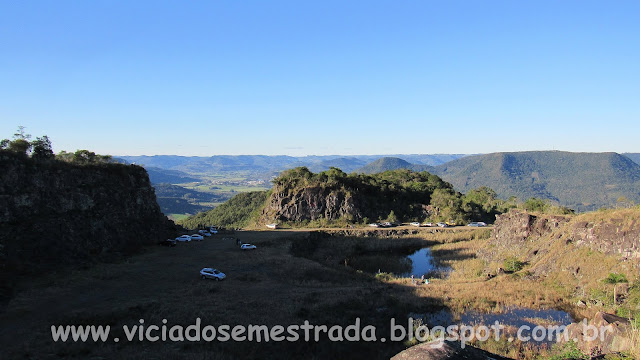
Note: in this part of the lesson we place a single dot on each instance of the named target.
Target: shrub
(615, 278)
(512, 264)
(384, 276)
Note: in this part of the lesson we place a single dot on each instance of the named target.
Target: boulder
(435, 350)
(613, 334)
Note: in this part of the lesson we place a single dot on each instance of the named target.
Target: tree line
(41, 149)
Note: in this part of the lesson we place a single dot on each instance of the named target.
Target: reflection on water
(510, 317)
(422, 264)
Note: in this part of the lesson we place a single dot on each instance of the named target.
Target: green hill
(237, 212)
(391, 163)
(302, 198)
(582, 181)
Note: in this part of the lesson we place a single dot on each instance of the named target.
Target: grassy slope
(238, 212)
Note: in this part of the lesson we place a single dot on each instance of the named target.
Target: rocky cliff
(54, 213)
(311, 203)
(576, 249)
(614, 232)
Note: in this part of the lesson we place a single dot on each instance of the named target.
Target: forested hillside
(582, 181)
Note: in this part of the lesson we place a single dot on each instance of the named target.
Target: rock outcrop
(604, 334)
(311, 203)
(54, 214)
(530, 237)
(436, 350)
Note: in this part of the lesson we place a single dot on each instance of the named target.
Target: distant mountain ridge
(635, 157)
(272, 165)
(582, 181)
(391, 163)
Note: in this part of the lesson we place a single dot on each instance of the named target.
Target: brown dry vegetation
(267, 286)
(290, 278)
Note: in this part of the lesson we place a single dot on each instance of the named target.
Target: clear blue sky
(322, 77)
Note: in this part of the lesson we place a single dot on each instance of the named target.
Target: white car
(210, 273)
(374, 225)
(205, 233)
(213, 230)
(247, 247)
(428, 224)
(416, 224)
(477, 224)
(183, 238)
(441, 224)
(197, 237)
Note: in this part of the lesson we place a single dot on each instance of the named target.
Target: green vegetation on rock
(301, 196)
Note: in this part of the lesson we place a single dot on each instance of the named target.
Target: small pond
(510, 317)
(422, 263)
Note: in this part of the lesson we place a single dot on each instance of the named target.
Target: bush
(615, 278)
(384, 276)
(512, 264)
(568, 351)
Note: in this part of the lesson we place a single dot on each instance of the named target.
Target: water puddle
(510, 317)
(422, 263)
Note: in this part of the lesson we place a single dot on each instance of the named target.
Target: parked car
(247, 247)
(417, 224)
(206, 233)
(441, 224)
(183, 238)
(210, 273)
(428, 224)
(374, 225)
(477, 224)
(272, 226)
(213, 230)
(168, 242)
(451, 223)
(197, 237)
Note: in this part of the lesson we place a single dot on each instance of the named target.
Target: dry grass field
(266, 286)
(292, 277)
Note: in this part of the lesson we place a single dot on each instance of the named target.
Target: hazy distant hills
(163, 176)
(582, 181)
(633, 156)
(392, 163)
(272, 165)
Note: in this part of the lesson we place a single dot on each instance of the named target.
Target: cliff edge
(54, 214)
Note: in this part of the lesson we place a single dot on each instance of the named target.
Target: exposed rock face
(514, 227)
(616, 233)
(617, 236)
(311, 203)
(447, 350)
(604, 334)
(54, 213)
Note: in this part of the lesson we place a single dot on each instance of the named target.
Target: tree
(20, 143)
(42, 148)
(534, 204)
(21, 135)
(19, 146)
(392, 218)
(84, 157)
